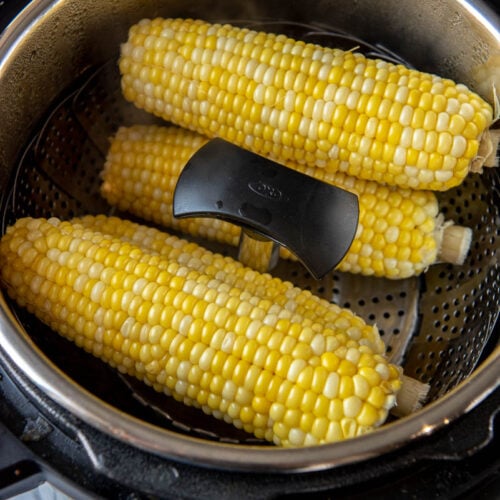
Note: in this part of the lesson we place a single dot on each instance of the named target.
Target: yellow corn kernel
(160, 80)
(383, 210)
(192, 359)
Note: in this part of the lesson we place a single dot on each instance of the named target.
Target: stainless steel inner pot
(59, 101)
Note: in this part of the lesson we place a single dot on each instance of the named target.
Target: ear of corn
(142, 169)
(304, 103)
(314, 310)
(215, 344)
(400, 231)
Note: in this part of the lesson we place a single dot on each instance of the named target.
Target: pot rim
(15, 341)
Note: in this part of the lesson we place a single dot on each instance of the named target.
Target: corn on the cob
(302, 102)
(313, 309)
(400, 231)
(190, 334)
(319, 314)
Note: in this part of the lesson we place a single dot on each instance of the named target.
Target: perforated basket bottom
(436, 325)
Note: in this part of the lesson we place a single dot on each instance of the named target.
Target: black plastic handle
(314, 220)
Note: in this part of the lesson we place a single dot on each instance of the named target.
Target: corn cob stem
(455, 244)
(305, 103)
(410, 397)
(400, 231)
(189, 335)
(487, 154)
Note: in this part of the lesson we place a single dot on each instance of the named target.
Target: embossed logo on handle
(267, 190)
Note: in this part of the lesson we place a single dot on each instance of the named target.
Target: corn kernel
(197, 361)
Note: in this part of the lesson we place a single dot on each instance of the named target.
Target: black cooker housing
(42, 442)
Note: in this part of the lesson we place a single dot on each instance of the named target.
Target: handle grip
(314, 220)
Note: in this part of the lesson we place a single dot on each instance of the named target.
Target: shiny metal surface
(257, 252)
(52, 43)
